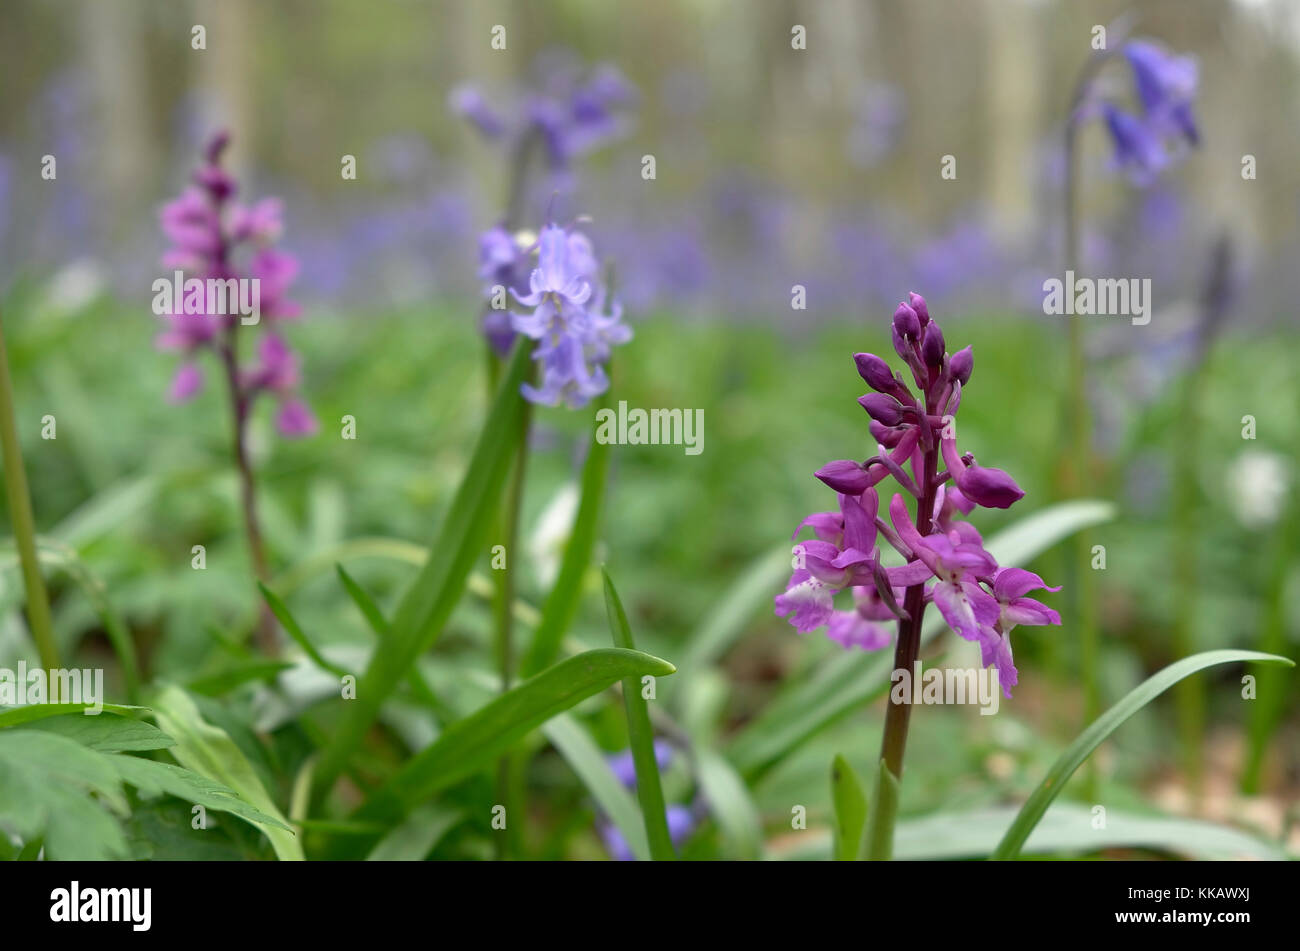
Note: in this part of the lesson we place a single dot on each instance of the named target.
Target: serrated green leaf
(48, 785)
(210, 752)
(106, 732)
(155, 778)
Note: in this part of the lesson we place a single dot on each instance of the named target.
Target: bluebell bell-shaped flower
(572, 319)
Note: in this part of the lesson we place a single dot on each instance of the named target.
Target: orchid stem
(24, 524)
(239, 408)
(879, 844)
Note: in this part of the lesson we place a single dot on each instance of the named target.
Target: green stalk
(24, 525)
(510, 765)
(879, 842)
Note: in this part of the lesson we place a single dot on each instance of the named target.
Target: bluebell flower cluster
(574, 319)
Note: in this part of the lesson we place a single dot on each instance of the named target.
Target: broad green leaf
(434, 593)
(854, 678)
(13, 716)
(468, 745)
(641, 736)
(294, 629)
(1066, 829)
(48, 785)
(1106, 724)
(415, 837)
(209, 751)
(154, 778)
(585, 758)
(850, 809)
(562, 603)
(106, 732)
(1072, 828)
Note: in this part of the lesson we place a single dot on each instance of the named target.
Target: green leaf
(1071, 828)
(414, 838)
(13, 716)
(854, 678)
(294, 629)
(224, 681)
(586, 759)
(209, 751)
(48, 785)
(154, 778)
(562, 602)
(1106, 724)
(879, 842)
(734, 610)
(850, 809)
(365, 604)
(730, 804)
(468, 745)
(641, 736)
(55, 554)
(434, 593)
(106, 733)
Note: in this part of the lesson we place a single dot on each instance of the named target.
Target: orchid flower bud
(991, 488)
(845, 476)
(961, 364)
(882, 407)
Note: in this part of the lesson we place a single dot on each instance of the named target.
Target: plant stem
(24, 525)
(1078, 464)
(510, 765)
(884, 810)
(239, 406)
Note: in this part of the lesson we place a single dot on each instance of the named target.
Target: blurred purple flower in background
(569, 110)
(682, 820)
(208, 230)
(1146, 144)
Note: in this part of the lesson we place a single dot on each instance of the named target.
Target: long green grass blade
(434, 593)
(641, 736)
(1078, 751)
(562, 602)
(468, 745)
(294, 629)
(585, 758)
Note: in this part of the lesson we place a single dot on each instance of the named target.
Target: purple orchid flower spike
(945, 559)
(217, 243)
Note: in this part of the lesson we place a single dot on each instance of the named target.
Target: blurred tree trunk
(120, 163)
